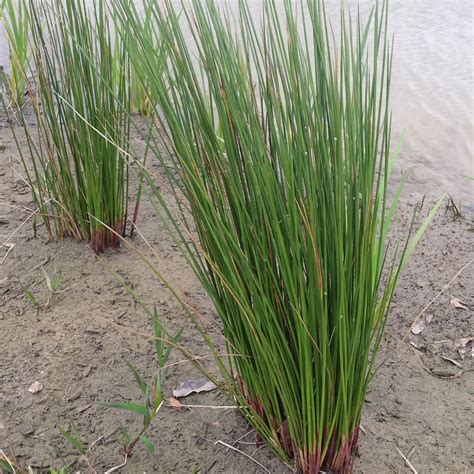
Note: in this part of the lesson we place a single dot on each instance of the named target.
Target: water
(432, 94)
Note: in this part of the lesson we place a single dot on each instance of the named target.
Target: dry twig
(409, 464)
(241, 452)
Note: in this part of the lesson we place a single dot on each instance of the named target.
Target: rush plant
(78, 179)
(14, 19)
(280, 136)
(141, 97)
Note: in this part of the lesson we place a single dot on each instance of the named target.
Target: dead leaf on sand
(458, 303)
(445, 373)
(463, 342)
(418, 327)
(35, 387)
(455, 362)
(193, 386)
(455, 343)
(175, 404)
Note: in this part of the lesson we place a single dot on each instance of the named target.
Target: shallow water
(433, 91)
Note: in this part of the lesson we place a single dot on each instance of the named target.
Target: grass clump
(281, 141)
(13, 16)
(79, 180)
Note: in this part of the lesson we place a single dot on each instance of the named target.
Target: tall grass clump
(14, 19)
(79, 180)
(280, 133)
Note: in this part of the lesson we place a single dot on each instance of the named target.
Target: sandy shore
(419, 404)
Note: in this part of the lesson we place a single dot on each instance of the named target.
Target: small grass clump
(13, 16)
(77, 162)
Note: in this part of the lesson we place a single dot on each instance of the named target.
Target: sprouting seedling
(28, 293)
(162, 351)
(153, 394)
(55, 284)
(74, 438)
(7, 464)
(10, 465)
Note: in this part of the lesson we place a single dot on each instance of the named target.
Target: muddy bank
(419, 402)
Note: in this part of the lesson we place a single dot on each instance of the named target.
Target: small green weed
(153, 394)
(55, 284)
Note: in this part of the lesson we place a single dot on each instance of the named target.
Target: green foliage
(14, 17)
(131, 407)
(148, 444)
(141, 98)
(31, 297)
(8, 465)
(281, 144)
(73, 437)
(162, 351)
(5, 466)
(78, 153)
(54, 284)
(153, 394)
